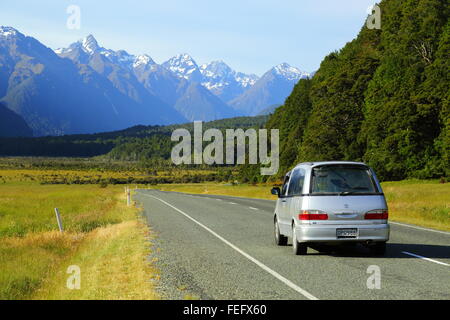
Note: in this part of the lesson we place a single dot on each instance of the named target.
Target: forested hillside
(136, 143)
(382, 99)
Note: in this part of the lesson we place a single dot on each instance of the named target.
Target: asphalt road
(219, 247)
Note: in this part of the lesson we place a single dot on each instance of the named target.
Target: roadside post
(58, 219)
(128, 197)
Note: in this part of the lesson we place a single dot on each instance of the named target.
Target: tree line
(382, 99)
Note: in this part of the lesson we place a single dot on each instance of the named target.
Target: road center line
(231, 203)
(253, 208)
(249, 257)
(424, 258)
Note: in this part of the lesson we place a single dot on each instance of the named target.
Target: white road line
(420, 228)
(232, 203)
(249, 257)
(219, 199)
(253, 208)
(424, 258)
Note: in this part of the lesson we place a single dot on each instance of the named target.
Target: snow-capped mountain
(117, 67)
(289, 72)
(55, 95)
(223, 81)
(272, 89)
(8, 32)
(143, 60)
(88, 46)
(68, 90)
(218, 73)
(184, 67)
(216, 76)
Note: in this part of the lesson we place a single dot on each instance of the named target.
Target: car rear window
(342, 179)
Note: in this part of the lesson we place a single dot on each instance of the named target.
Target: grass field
(102, 236)
(424, 203)
(109, 243)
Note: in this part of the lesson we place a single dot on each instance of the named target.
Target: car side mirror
(276, 191)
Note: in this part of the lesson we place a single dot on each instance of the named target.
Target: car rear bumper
(327, 233)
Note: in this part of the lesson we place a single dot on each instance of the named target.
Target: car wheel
(298, 248)
(280, 240)
(378, 249)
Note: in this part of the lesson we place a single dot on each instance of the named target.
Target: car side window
(297, 180)
(285, 185)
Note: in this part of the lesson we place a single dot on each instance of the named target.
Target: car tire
(378, 249)
(280, 240)
(297, 247)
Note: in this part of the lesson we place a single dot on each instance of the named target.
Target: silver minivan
(332, 202)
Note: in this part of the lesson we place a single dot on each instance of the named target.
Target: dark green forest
(382, 99)
(139, 143)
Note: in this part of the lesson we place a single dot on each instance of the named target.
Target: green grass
(98, 227)
(28, 207)
(26, 262)
(424, 203)
(421, 202)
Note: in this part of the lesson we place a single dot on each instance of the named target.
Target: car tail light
(377, 214)
(313, 215)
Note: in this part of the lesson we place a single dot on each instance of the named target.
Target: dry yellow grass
(101, 232)
(113, 264)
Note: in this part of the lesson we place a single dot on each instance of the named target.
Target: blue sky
(250, 35)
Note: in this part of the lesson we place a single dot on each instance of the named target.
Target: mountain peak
(184, 66)
(289, 72)
(216, 69)
(89, 44)
(6, 32)
(184, 56)
(143, 60)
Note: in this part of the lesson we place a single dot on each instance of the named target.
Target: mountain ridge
(66, 90)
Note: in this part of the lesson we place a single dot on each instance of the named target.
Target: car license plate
(347, 233)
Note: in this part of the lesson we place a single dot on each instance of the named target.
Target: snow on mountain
(271, 89)
(289, 72)
(90, 46)
(6, 32)
(247, 93)
(246, 80)
(143, 60)
(184, 67)
(216, 69)
(218, 74)
(55, 96)
(223, 81)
